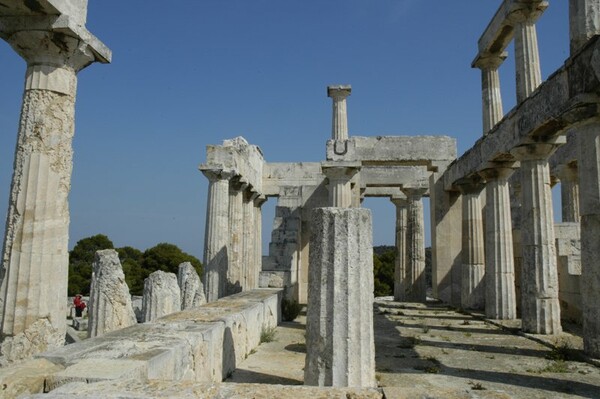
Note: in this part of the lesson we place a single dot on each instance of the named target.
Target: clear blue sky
(190, 73)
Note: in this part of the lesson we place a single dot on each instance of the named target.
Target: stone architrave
(216, 238)
(339, 120)
(473, 253)
(490, 89)
(415, 288)
(191, 288)
(110, 306)
(401, 261)
(340, 348)
(35, 254)
(589, 180)
(500, 297)
(569, 192)
(540, 308)
(161, 295)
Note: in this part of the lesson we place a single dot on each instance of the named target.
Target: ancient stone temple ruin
(497, 252)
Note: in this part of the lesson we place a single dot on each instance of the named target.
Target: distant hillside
(382, 249)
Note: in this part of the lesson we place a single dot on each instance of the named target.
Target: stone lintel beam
(500, 31)
(394, 176)
(236, 154)
(276, 175)
(59, 19)
(390, 192)
(394, 150)
(558, 105)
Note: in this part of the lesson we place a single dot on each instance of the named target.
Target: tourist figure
(79, 305)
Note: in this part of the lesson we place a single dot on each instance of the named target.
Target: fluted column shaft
(500, 297)
(401, 261)
(35, 256)
(569, 193)
(490, 90)
(216, 239)
(415, 288)
(339, 128)
(257, 265)
(589, 178)
(539, 288)
(527, 57)
(473, 254)
(248, 247)
(233, 282)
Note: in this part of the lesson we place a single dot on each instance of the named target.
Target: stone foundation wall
(202, 344)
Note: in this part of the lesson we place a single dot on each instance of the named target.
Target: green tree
(167, 257)
(383, 271)
(80, 262)
(131, 259)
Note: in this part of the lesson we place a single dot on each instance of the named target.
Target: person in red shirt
(79, 305)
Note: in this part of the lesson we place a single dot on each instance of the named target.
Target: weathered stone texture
(192, 290)
(161, 295)
(110, 306)
(35, 248)
(339, 327)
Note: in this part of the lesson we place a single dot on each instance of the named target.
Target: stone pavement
(433, 351)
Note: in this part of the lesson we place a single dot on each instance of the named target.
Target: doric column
(589, 179)
(584, 22)
(527, 57)
(490, 89)
(539, 282)
(415, 288)
(339, 128)
(233, 282)
(569, 192)
(339, 175)
(500, 299)
(248, 236)
(340, 348)
(257, 264)
(216, 239)
(35, 258)
(473, 254)
(401, 261)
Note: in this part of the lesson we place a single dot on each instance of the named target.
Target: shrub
(290, 309)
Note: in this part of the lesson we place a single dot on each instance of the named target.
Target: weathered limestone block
(110, 305)
(339, 326)
(568, 253)
(192, 290)
(161, 295)
(26, 377)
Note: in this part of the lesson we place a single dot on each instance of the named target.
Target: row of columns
(233, 245)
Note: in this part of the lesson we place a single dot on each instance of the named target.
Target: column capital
(214, 174)
(260, 200)
(340, 170)
(498, 172)
(527, 11)
(399, 201)
(339, 92)
(414, 193)
(489, 60)
(470, 185)
(566, 173)
(534, 152)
